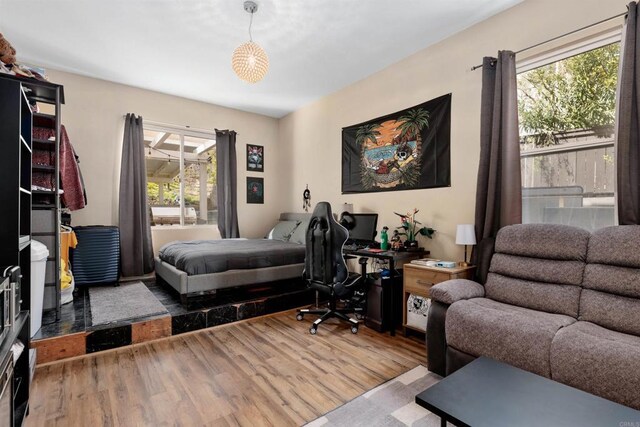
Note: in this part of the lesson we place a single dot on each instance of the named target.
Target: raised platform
(74, 335)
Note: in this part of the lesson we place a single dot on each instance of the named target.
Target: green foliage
(367, 178)
(575, 93)
(410, 174)
(367, 133)
(171, 190)
(412, 122)
(411, 227)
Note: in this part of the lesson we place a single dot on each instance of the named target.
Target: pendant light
(249, 60)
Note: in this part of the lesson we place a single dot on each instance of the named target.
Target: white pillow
(300, 233)
(282, 230)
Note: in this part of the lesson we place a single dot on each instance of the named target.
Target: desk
(392, 257)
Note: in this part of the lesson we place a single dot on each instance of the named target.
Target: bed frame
(208, 284)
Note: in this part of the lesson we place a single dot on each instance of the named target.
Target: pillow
(300, 233)
(282, 230)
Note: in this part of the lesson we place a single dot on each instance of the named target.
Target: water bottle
(384, 239)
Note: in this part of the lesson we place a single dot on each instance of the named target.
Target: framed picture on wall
(405, 150)
(255, 158)
(255, 190)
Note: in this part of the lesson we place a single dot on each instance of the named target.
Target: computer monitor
(364, 227)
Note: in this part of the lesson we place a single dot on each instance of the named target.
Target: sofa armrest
(455, 290)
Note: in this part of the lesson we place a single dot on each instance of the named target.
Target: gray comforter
(215, 256)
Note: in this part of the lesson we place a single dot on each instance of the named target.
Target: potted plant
(411, 228)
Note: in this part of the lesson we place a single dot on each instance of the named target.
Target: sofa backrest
(539, 266)
(611, 294)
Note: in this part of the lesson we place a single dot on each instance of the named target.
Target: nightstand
(418, 279)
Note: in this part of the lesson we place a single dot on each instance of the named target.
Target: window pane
(200, 181)
(162, 152)
(567, 113)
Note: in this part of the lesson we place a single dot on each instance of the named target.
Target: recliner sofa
(558, 301)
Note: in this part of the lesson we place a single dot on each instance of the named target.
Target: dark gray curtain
(227, 182)
(628, 122)
(499, 192)
(136, 250)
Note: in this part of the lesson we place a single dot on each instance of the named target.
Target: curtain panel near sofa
(628, 122)
(227, 183)
(136, 249)
(499, 192)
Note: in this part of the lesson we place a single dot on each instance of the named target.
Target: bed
(197, 267)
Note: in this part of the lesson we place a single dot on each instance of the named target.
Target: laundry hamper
(96, 258)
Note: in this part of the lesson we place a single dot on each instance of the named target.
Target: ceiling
(184, 47)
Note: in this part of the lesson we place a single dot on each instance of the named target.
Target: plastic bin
(39, 254)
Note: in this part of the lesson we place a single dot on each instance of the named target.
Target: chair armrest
(455, 290)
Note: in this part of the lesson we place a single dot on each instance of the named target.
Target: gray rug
(111, 304)
(390, 404)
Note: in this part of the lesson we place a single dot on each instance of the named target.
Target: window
(181, 178)
(566, 111)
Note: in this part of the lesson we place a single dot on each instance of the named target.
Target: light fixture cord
(250, 22)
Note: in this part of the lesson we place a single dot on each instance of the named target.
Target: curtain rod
(561, 36)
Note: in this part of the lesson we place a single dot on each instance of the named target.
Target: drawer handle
(422, 282)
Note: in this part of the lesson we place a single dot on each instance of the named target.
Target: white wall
(93, 115)
(311, 136)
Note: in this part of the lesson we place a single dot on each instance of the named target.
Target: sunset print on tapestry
(400, 151)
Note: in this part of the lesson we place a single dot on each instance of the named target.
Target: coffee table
(490, 393)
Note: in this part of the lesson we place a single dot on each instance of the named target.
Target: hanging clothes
(73, 197)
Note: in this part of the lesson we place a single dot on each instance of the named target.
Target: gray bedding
(215, 256)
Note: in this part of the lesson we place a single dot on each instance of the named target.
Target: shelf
(24, 143)
(39, 90)
(42, 206)
(43, 168)
(10, 338)
(45, 142)
(44, 120)
(25, 191)
(24, 241)
(45, 192)
(413, 328)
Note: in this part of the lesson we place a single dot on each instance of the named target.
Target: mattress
(196, 257)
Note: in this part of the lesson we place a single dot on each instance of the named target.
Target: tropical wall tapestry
(406, 150)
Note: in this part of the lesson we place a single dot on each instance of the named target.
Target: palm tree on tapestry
(411, 124)
(367, 133)
(364, 134)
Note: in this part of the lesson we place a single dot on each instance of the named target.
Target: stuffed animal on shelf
(7, 52)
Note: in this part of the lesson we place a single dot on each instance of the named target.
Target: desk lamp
(465, 235)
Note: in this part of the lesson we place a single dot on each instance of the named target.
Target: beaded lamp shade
(250, 62)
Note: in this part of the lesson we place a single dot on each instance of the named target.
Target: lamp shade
(250, 62)
(465, 234)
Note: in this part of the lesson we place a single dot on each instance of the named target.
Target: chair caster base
(313, 331)
(354, 329)
(299, 317)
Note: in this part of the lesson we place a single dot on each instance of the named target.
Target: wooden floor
(263, 371)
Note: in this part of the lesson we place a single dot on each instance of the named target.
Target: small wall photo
(255, 190)
(255, 158)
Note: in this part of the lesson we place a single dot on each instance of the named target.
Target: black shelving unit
(46, 204)
(15, 211)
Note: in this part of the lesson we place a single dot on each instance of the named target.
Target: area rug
(110, 304)
(390, 404)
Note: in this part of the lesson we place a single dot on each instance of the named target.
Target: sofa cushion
(617, 245)
(450, 291)
(514, 335)
(546, 241)
(598, 361)
(539, 266)
(549, 297)
(611, 295)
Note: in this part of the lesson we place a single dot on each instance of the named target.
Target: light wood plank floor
(263, 371)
